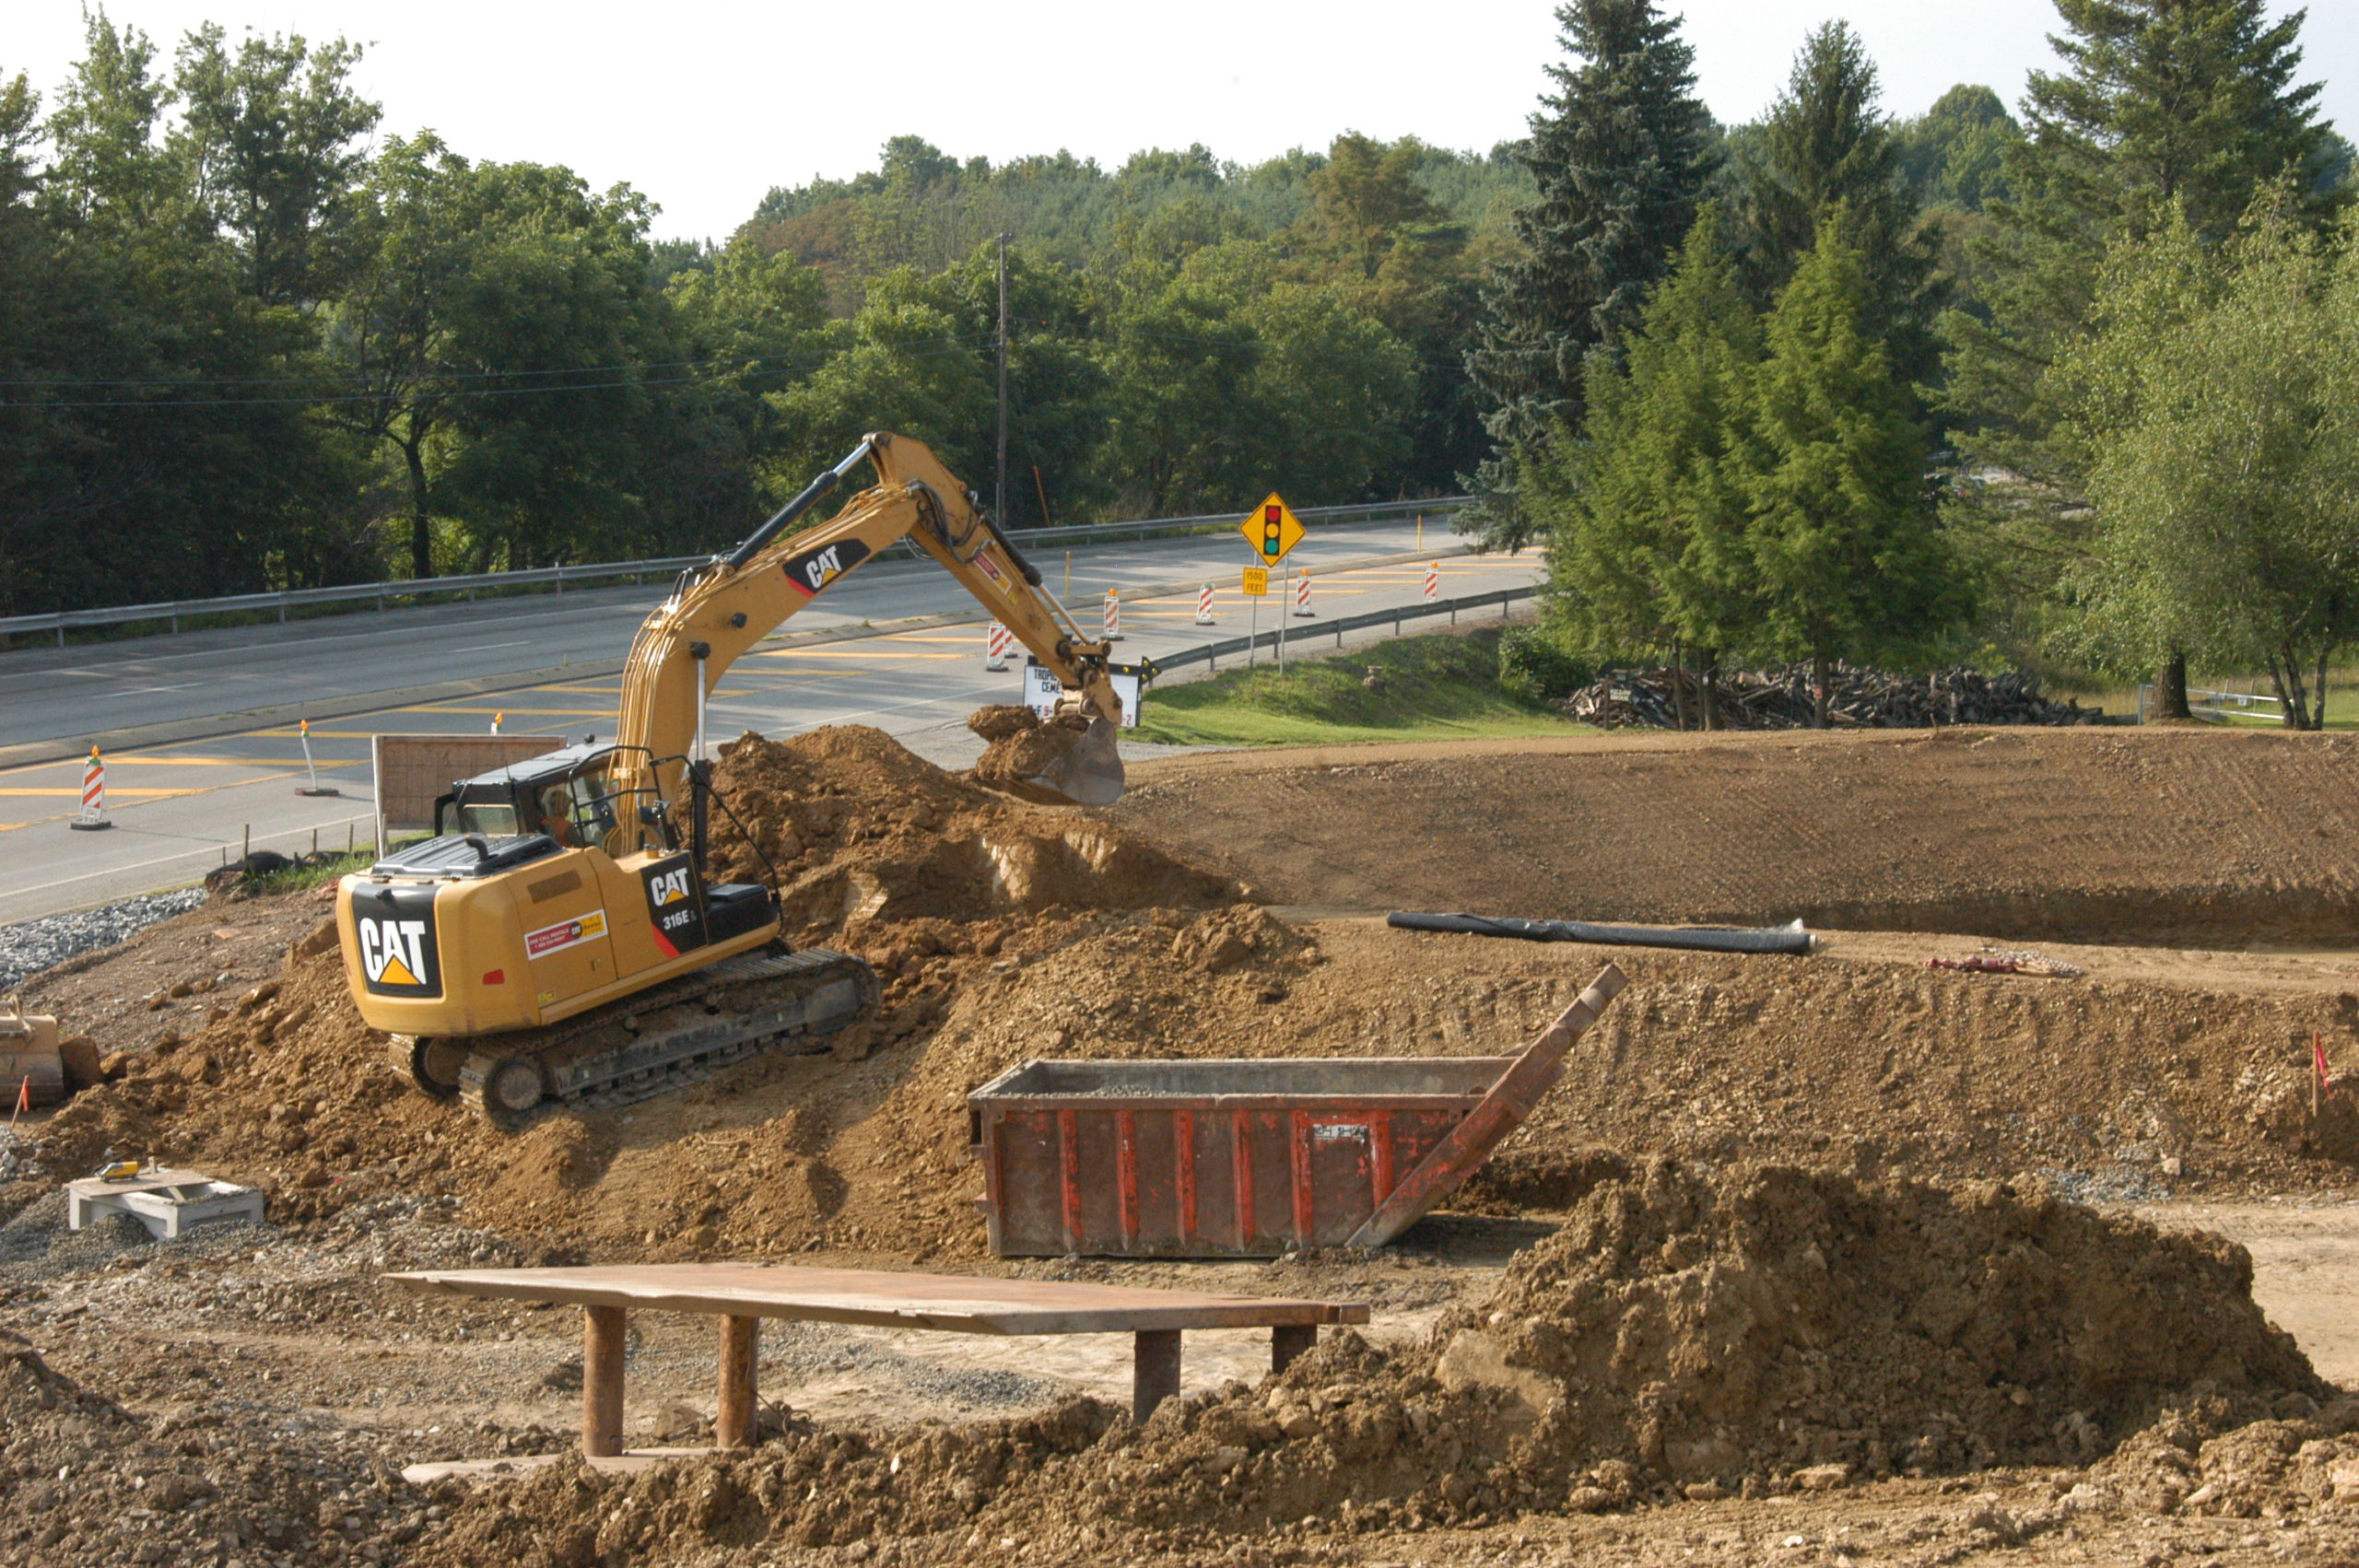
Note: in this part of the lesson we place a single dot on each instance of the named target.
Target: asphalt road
(182, 809)
(47, 692)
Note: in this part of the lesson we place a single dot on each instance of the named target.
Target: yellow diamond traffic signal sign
(1272, 531)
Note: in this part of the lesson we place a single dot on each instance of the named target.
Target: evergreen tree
(2163, 104)
(1825, 147)
(1952, 155)
(1845, 557)
(1645, 517)
(1621, 154)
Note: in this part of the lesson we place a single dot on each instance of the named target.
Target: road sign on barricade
(94, 797)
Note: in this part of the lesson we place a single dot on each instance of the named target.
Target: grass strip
(1440, 686)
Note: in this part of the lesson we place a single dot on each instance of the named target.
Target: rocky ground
(1789, 1268)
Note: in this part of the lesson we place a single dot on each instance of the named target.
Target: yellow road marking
(858, 653)
(112, 791)
(221, 761)
(520, 712)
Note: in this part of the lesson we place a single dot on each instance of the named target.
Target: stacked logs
(1780, 698)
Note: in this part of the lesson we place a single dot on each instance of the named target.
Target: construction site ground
(1829, 1149)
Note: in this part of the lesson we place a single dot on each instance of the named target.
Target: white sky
(704, 107)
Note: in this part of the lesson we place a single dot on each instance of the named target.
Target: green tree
(1621, 153)
(1646, 519)
(1846, 558)
(501, 326)
(2220, 410)
(269, 144)
(1823, 148)
(1366, 195)
(2163, 106)
(1952, 155)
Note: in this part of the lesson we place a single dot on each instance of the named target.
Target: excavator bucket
(1090, 772)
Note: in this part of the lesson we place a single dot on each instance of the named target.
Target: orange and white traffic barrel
(1113, 614)
(94, 796)
(1204, 605)
(1433, 582)
(1302, 595)
(997, 642)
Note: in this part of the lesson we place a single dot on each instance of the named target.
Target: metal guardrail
(2219, 705)
(171, 611)
(1212, 653)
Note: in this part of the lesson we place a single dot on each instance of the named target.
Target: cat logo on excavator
(815, 569)
(395, 929)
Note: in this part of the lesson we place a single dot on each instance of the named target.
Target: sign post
(1274, 530)
(1256, 586)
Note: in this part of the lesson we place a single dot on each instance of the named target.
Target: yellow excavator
(556, 942)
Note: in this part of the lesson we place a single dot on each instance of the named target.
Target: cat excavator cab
(558, 941)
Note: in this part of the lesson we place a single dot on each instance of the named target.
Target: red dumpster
(1246, 1159)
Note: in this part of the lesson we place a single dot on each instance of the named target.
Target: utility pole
(998, 498)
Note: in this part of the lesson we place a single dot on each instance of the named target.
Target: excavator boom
(689, 642)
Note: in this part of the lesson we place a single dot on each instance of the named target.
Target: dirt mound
(1689, 1334)
(2221, 838)
(1716, 1326)
(856, 831)
(937, 882)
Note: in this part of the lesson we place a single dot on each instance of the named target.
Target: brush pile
(1780, 698)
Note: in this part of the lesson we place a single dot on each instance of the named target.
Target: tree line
(2075, 388)
(1830, 384)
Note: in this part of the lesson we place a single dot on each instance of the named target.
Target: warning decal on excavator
(814, 569)
(673, 906)
(564, 934)
(393, 929)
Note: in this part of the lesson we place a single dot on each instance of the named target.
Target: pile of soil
(2221, 839)
(1690, 1334)
(940, 883)
(1021, 747)
(857, 832)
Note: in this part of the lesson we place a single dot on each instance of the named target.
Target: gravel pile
(31, 946)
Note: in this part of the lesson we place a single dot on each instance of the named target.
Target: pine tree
(1844, 553)
(1646, 523)
(1825, 145)
(2164, 104)
(1622, 153)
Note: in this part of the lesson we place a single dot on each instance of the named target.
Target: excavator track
(666, 1037)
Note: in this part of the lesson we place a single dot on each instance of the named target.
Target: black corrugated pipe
(1790, 939)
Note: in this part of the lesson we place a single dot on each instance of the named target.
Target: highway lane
(47, 692)
(182, 809)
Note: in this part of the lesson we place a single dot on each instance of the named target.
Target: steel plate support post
(1288, 1341)
(602, 1381)
(733, 1422)
(1154, 1370)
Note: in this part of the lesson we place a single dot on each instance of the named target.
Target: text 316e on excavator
(558, 941)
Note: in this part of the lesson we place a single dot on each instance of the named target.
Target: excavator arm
(723, 610)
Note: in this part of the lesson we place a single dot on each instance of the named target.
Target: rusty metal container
(1246, 1159)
